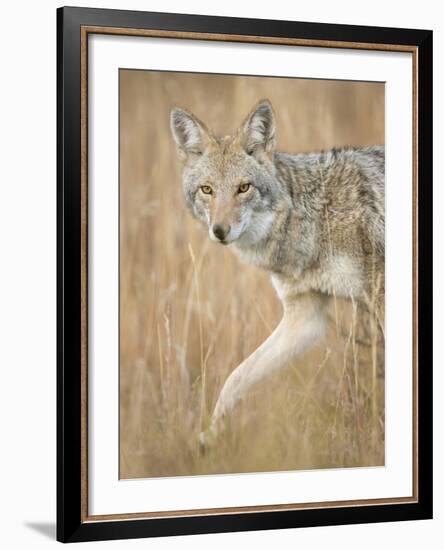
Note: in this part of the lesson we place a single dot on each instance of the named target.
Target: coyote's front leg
(302, 325)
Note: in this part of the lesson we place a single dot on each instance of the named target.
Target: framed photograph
(244, 274)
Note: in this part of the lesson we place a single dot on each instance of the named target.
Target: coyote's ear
(189, 133)
(259, 129)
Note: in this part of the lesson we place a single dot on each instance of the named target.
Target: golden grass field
(188, 306)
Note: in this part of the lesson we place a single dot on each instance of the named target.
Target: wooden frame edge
(253, 39)
(415, 240)
(200, 512)
(84, 270)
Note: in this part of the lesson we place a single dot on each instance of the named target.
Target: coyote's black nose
(220, 231)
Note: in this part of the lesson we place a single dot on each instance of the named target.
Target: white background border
(108, 495)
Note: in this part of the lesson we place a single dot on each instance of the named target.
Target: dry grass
(190, 312)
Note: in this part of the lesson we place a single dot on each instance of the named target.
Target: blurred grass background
(327, 409)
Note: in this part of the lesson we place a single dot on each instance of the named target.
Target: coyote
(314, 221)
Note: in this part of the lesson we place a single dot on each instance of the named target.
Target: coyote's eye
(206, 190)
(243, 187)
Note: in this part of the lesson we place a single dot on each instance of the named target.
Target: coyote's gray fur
(314, 221)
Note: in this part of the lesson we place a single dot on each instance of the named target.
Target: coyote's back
(336, 220)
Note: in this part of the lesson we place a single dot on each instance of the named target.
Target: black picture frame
(72, 525)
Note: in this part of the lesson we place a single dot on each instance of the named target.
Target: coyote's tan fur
(314, 221)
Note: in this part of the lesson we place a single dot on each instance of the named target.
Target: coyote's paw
(206, 441)
(202, 441)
